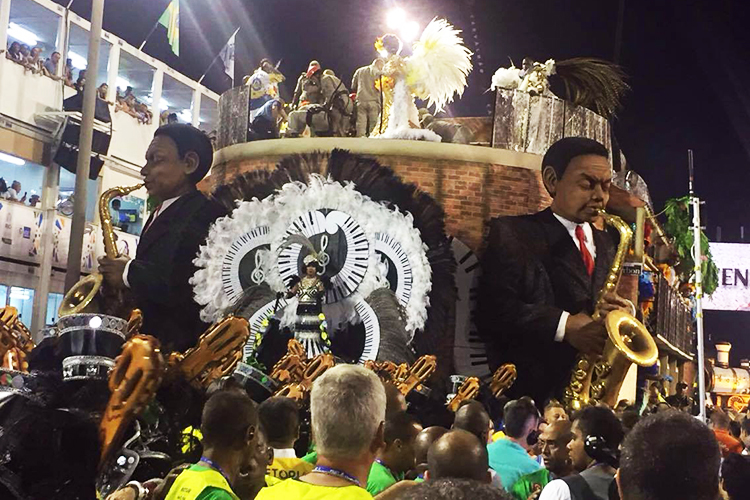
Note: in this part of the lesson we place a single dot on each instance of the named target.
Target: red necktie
(588, 261)
(152, 219)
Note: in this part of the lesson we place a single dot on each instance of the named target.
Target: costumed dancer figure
(435, 72)
(310, 326)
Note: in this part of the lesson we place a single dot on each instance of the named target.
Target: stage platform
(471, 183)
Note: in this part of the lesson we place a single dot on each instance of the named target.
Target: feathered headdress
(593, 83)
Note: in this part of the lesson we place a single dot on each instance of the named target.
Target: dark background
(687, 61)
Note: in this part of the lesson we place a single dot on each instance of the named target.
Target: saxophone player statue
(158, 278)
(542, 275)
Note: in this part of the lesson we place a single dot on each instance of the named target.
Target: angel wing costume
(435, 72)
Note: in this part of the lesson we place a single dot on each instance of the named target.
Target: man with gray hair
(347, 406)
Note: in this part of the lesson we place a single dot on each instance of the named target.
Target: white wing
(440, 63)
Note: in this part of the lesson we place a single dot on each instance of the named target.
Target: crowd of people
(367, 442)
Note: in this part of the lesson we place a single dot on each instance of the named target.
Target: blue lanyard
(337, 473)
(216, 467)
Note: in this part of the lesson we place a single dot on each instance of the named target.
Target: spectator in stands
(597, 434)
(454, 489)
(25, 51)
(172, 118)
(81, 82)
(347, 406)
(4, 189)
(509, 455)
(398, 456)
(102, 91)
(735, 477)
(228, 424)
(421, 446)
(14, 52)
(554, 448)
(68, 72)
(720, 423)
(458, 454)
(14, 193)
(670, 456)
(34, 200)
(34, 61)
(279, 418)
(49, 68)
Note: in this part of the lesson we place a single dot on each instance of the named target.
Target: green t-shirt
(528, 484)
(199, 482)
(380, 479)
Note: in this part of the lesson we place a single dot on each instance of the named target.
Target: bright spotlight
(22, 34)
(123, 83)
(12, 159)
(410, 31)
(395, 18)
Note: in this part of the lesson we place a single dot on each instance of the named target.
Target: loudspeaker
(66, 153)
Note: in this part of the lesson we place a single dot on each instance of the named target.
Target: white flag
(227, 55)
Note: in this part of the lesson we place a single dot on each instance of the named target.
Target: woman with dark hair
(310, 327)
(735, 476)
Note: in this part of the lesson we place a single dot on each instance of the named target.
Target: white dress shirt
(164, 205)
(588, 234)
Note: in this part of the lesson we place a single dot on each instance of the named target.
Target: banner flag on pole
(170, 19)
(227, 55)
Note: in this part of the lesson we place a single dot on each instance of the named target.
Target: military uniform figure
(367, 96)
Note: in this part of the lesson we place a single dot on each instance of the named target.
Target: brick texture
(470, 193)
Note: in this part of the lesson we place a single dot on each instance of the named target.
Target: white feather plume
(439, 64)
(506, 78)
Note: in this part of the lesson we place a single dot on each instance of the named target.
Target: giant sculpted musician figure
(542, 274)
(176, 160)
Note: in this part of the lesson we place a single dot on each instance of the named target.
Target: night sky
(686, 59)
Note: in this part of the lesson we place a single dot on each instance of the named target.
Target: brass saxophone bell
(82, 297)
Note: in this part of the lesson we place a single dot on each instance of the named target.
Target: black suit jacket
(532, 271)
(160, 273)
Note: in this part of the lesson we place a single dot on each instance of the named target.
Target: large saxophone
(628, 340)
(86, 296)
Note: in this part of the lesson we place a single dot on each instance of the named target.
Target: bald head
(458, 454)
(424, 441)
(473, 418)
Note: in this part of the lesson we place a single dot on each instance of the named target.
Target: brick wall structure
(471, 183)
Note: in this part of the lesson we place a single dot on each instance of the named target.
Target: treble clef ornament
(323, 258)
(258, 276)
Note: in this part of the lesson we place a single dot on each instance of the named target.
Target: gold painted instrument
(86, 296)
(15, 340)
(315, 368)
(628, 340)
(133, 383)
(291, 367)
(503, 379)
(418, 373)
(386, 370)
(468, 390)
(218, 351)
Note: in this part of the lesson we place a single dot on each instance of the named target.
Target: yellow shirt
(297, 490)
(286, 465)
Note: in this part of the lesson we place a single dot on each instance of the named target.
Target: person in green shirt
(554, 445)
(228, 424)
(398, 457)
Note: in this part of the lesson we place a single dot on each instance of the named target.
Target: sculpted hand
(612, 302)
(112, 270)
(585, 334)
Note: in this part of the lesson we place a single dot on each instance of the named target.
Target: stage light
(22, 34)
(395, 18)
(410, 31)
(12, 159)
(77, 60)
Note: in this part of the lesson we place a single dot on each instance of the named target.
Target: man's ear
(192, 161)
(378, 442)
(549, 177)
(250, 434)
(427, 474)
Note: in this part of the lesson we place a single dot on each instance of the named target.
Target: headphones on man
(596, 447)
